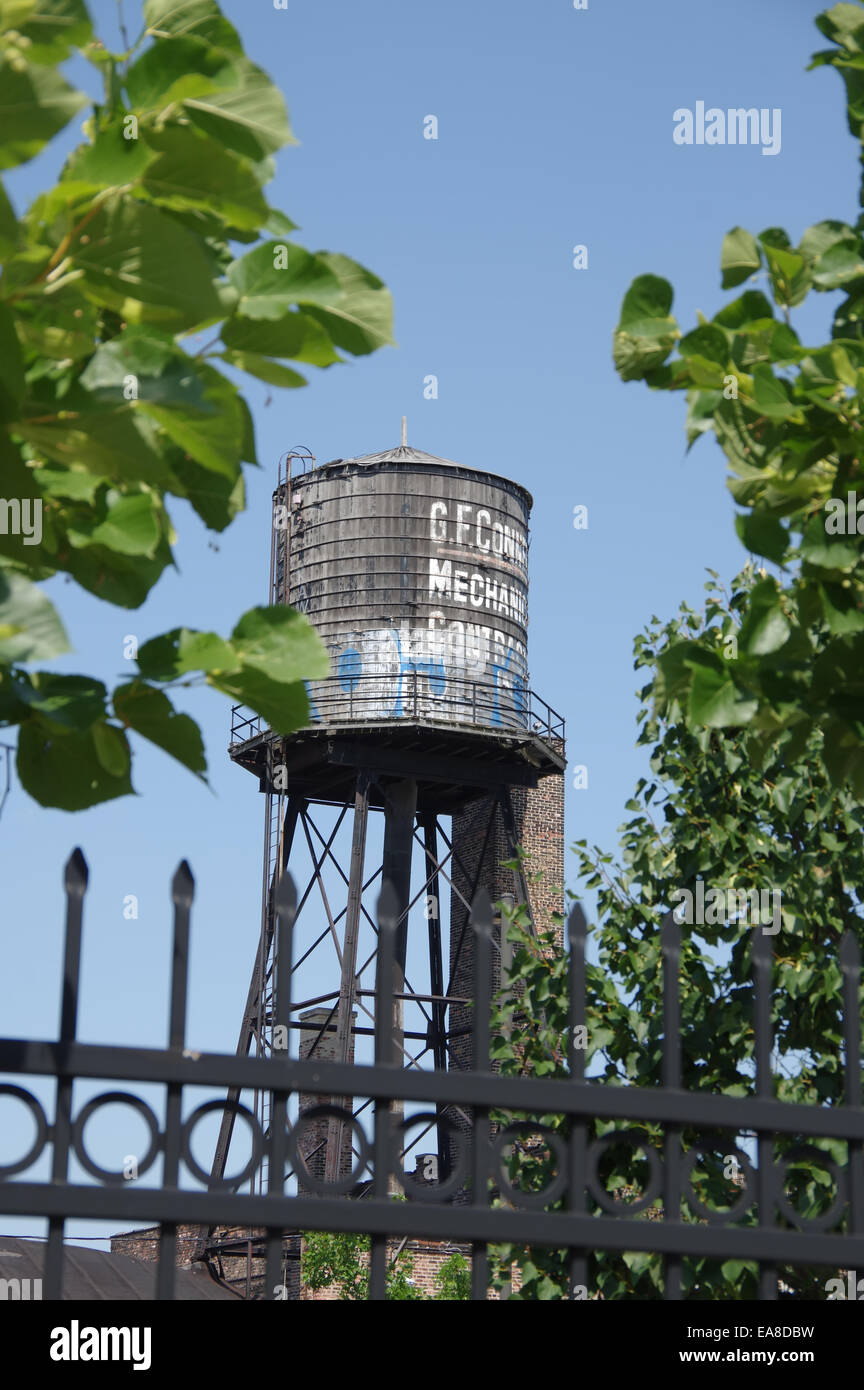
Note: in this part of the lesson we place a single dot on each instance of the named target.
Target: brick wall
(538, 813)
(231, 1264)
(426, 1258)
(313, 1142)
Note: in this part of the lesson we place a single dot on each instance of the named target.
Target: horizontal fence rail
(575, 1212)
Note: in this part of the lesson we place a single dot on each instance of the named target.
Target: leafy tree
(788, 418)
(341, 1260)
(707, 813)
(124, 290)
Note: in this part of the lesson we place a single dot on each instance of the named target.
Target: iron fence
(575, 1212)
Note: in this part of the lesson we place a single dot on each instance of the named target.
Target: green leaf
(740, 257)
(54, 28)
(294, 335)
(144, 265)
(216, 499)
(829, 552)
(700, 413)
(125, 580)
(276, 276)
(844, 23)
(175, 68)
(35, 103)
(11, 365)
(821, 236)
(750, 309)
(264, 368)
(249, 118)
(771, 395)
(62, 327)
(109, 161)
(763, 534)
(195, 405)
(765, 627)
(200, 19)
(716, 702)
(75, 484)
(9, 230)
(150, 713)
(181, 651)
(281, 642)
(278, 224)
(74, 702)
(131, 526)
(284, 705)
(842, 609)
(116, 443)
(839, 266)
(646, 331)
(194, 172)
(789, 272)
(67, 770)
(112, 749)
(361, 319)
(706, 341)
(30, 629)
(213, 433)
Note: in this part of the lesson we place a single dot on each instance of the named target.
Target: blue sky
(554, 129)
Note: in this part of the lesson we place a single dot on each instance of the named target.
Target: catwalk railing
(575, 1213)
(375, 699)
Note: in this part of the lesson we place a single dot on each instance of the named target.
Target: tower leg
(438, 1030)
(400, 809)
(333, 1162)
(253, 1021)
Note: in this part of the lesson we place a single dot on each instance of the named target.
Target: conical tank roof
(405, 454)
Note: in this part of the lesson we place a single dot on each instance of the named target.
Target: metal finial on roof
(404, 430)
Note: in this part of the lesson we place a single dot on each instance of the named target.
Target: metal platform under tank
(452, 765)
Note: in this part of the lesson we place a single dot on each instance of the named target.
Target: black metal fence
(576, 1212)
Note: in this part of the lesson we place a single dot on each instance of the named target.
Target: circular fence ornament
(298, 1162)
(655, 1180)
(35, 1150)
(520, 1196)
(699, 1208)
(208, 1108)
(429, 1192)
(808, 1153)
(108, 1175)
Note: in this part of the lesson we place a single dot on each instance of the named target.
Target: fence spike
(76, 874)
(577, 925)
(386, 1050)
(762, 948)
(850, 953)
(286, 896)
(388, 907)
(670, 935)
(183, 884)
(481, 913)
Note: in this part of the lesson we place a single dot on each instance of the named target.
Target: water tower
(426, 760)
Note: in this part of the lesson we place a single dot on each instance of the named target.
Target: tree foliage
(705, 813)
(127, 289)
(788, 417)
(340, 1261)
